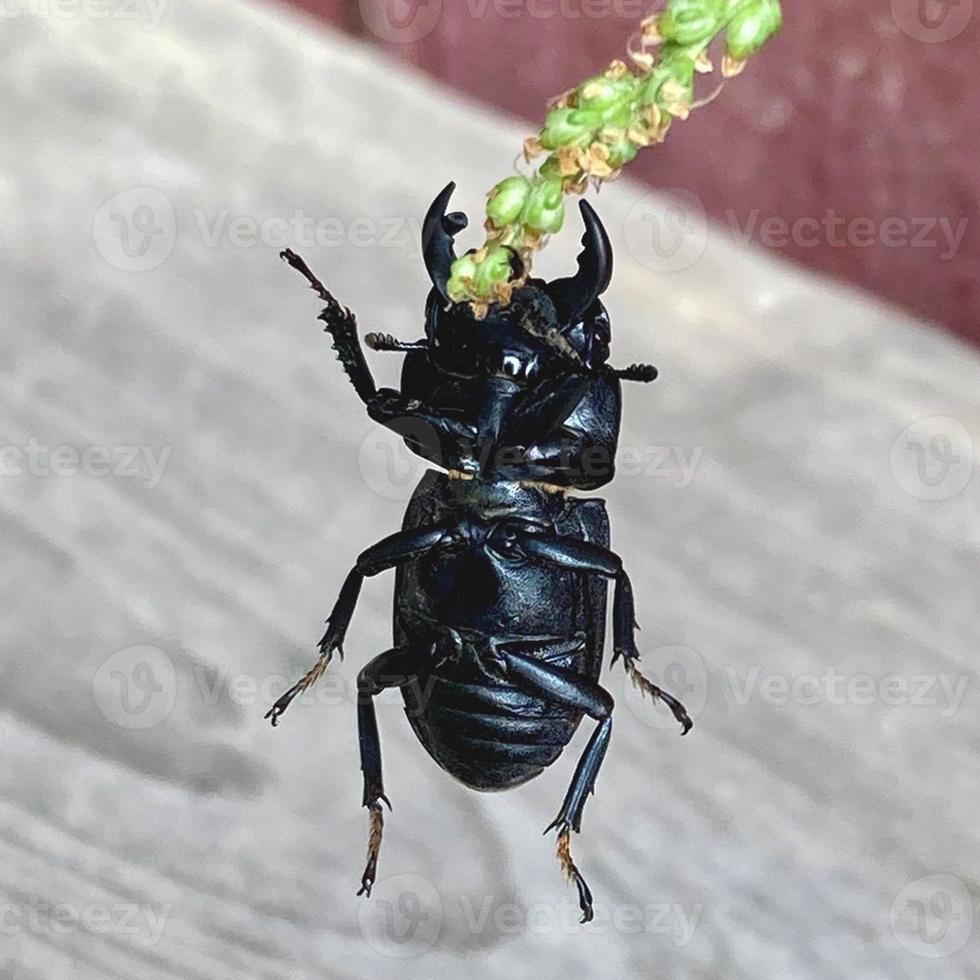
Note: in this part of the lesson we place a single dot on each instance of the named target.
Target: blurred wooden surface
(858, 117)
(798, 531)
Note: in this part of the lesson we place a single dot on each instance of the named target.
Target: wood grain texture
(768, 507)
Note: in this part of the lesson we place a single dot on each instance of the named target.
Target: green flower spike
(592, 131)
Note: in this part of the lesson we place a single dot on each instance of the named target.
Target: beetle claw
(279, 708)
(304, 684)
(375, 835)
(657, 694)
(572, 873)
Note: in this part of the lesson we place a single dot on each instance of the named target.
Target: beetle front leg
(394, 550)
(405, 415)
(341, 324)
(395, 668)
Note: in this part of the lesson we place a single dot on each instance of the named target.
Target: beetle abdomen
(489, 736)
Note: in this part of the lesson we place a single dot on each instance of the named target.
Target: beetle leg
(394, 550)
(395, 668)
(583, 555)
(655, 693)
(384, 405)
(412, 419)
(575, 456)
(624, 645)
(341, 324)
(564, 686)
(571, 872)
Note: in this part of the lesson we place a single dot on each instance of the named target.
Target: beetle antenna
(637, 372)
(572, 873)
(375, 834)
(386, 342)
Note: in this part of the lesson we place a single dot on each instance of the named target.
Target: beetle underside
(500, 595)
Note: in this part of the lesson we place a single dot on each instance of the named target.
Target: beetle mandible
(501, 575)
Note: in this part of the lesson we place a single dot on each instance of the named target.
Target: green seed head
(688, 22)
(564, 126)
(493, 270)
(462, 272)
(751, 26)
(621, 152)
(545, 209)
(598, 127)
(602, 93)
(507, 201)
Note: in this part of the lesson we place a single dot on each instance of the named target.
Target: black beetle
(500, 592)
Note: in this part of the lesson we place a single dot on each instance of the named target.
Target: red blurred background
(849, 145)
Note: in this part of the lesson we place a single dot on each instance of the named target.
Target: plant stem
(592, 131)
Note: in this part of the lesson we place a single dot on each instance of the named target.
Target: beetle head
(565, 316)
